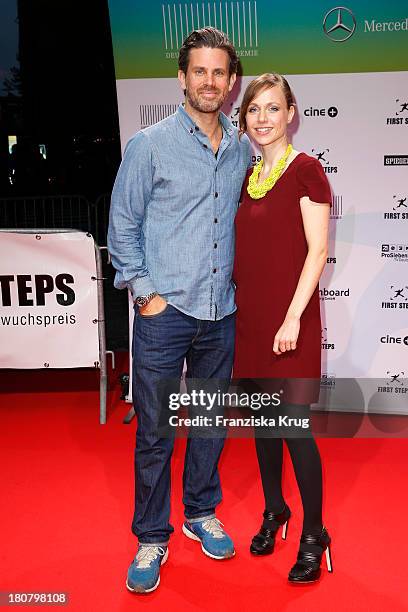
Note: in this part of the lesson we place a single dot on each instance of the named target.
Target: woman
(281, 249)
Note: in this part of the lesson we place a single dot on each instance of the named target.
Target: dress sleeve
(313, 182)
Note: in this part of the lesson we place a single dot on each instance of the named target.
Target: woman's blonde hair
(262, 82)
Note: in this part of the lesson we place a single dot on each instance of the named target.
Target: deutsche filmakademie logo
(239, 20)
(339, 24)
(336, 211)
(153, 113)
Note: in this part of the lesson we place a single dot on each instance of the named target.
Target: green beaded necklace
(258, 190)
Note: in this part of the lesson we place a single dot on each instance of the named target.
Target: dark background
(57, 89)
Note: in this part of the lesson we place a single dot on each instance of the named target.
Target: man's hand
(287, 335)
(155, 306)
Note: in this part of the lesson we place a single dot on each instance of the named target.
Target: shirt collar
(188, 123)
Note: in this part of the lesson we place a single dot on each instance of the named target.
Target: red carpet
(67, 504)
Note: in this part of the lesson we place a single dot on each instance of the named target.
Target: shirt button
(197, 128)
(216, 194)
(214, 270)
(215, 245)
(205, 146)
(215, 220)
(191, 131)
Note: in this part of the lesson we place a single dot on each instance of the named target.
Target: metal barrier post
(103, 382)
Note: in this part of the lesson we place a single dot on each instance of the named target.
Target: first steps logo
(400, 208)
(239, 20)
(326, 345)
(396, 252)
(394, 384)
(398, 298)
(322, 155)
(400, 114)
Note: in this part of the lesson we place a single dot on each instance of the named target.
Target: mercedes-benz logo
(339, 24)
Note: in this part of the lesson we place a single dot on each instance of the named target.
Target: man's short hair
(211, 38)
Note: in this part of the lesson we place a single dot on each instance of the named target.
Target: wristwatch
(143, 300)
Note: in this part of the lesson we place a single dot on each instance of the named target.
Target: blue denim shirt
(171, 227)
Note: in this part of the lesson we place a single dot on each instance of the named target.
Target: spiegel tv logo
(239, 20)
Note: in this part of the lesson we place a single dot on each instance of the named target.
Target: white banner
(362, 147)
(48, 300)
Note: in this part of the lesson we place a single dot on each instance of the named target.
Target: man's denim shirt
(173, 205)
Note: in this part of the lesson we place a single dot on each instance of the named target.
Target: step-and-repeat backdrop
(348, 68)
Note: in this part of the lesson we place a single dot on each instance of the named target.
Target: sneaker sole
(193, 536)
(154, 587)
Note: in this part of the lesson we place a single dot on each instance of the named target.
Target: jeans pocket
(154, 316)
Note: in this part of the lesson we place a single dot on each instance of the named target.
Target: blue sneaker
(215, 543)
(144, 573)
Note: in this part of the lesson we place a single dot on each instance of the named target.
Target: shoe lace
(213, 526)
(147, 554)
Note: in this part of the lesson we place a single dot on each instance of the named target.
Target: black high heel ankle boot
(311, 549)
(264, 541)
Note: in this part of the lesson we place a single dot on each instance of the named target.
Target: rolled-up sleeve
(130, 196)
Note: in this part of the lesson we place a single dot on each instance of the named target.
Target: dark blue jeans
(160, 345)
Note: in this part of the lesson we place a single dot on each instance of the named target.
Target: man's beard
(205, 106)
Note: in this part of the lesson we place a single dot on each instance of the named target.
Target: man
(171, 238)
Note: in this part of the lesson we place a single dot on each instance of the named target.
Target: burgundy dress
(271, 249)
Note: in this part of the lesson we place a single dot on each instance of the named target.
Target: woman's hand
(287, 335)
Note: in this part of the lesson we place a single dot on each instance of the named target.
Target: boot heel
(329, 560)
(285, 530)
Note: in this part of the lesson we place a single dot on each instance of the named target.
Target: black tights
(307, 465)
